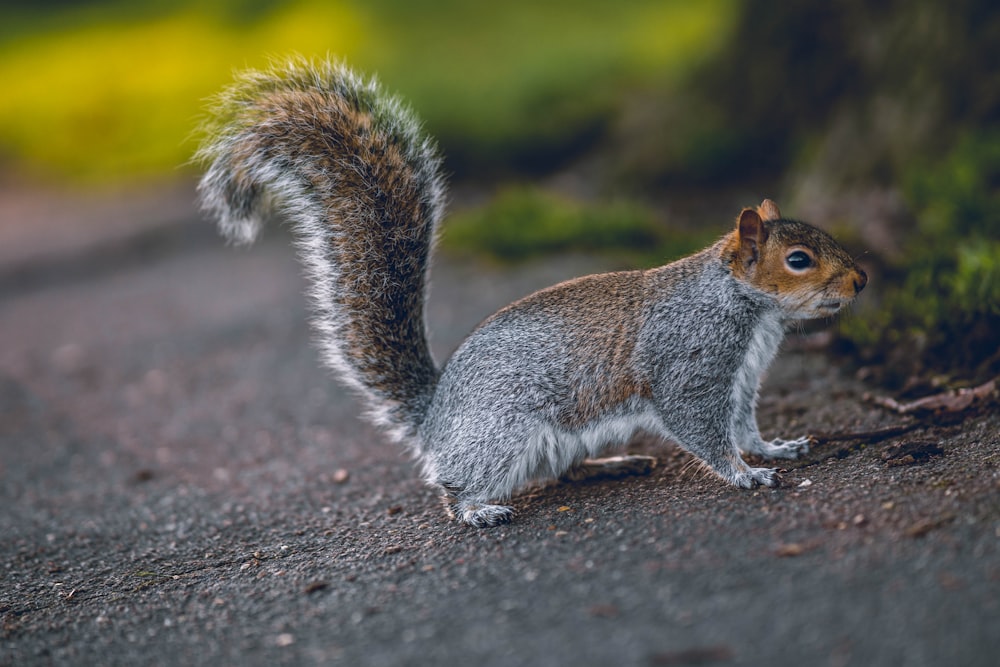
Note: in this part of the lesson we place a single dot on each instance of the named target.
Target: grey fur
(494, 421)
(549, 381)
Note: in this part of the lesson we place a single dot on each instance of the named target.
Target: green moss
(943, 308)
(526, 222)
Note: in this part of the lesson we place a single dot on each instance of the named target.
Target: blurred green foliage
(107, 90)
(820, 102)
(525, 86)
(959, 196)
(524, 222)
(102, 92)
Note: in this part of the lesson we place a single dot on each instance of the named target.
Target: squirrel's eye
(798, 260)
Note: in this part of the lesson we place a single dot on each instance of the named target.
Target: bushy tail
(350, 168)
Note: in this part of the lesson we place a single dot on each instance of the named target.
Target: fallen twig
(953, 400)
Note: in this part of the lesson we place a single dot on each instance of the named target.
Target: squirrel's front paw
(780, 448)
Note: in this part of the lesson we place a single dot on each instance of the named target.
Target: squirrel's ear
(752, 234)
(768, 210)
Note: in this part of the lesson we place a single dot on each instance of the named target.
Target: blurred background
(636, 129)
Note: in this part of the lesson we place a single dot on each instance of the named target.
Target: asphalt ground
(182, 484)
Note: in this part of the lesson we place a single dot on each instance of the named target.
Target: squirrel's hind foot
(480, 515)
(472, 511)
(754, 477)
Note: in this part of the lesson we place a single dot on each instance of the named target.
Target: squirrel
(548, 382)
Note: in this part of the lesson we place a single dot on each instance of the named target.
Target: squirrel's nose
(860, 281)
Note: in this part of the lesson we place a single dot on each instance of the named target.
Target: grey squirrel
(549, 381)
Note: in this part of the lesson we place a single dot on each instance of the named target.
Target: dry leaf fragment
(789, 550)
